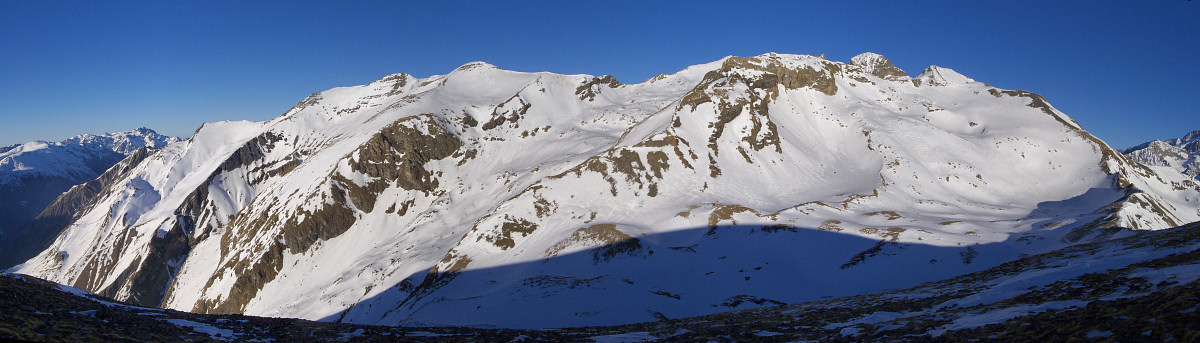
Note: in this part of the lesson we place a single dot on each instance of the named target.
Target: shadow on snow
(690, 272)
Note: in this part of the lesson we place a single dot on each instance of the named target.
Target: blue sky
(1128, 71)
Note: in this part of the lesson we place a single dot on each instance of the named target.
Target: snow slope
(487, 197)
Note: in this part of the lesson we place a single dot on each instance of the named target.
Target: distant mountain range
(83, 157)
(1179, 154)
(33, 174)
(494, 198)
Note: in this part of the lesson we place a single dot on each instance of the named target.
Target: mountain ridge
(382, 201)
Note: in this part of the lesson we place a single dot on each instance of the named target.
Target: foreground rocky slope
(487, 197)
(43, 311)
(1140, 288)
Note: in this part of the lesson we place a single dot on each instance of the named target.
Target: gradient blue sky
(1129, 71)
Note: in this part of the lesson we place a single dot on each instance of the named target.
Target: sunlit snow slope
(487, 197)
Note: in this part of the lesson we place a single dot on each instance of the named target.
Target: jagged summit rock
(1191, 141)
(488, 197)
(878, 65)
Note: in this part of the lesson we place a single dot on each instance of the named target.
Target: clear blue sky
(1129, 71)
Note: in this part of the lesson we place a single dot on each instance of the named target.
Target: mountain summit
(487, 197)
(876, 64)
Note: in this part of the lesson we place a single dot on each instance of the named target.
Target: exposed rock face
(472, 197)
(397, 156)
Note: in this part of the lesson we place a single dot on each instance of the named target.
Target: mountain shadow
(676, 274)
(713, 269)
(1138, 288)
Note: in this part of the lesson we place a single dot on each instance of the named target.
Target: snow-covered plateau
(494, 198)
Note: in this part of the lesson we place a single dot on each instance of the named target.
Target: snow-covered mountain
(35, 173)
(1180, 155)
(487, 197)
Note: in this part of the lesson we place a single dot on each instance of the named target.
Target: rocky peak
(1190, 142)
(878, 65)
(588, 90)
(791, 71)
(397, 78)
(1191, 136)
